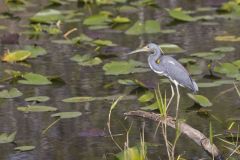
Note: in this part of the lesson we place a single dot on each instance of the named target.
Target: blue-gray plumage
(168, 66)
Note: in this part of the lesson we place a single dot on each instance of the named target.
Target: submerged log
(184, 128)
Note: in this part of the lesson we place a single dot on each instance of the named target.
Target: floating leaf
(187, 60)
(86, 60)
(82, 38)
(237, 63)
(37, 99)
(124, 67)
(171, 48)
(201, 100)
(36, 108)
(120, 19)
(227, 38)
(126, 82)
(24, 148)
(97, 20)
(223, 49)
(208, 84)
(146, 97)
(136, 29)
(101, 42)
(35, 51)
(152, 26)
(19, 55)
(208, 55)
(79, 99)
(34, 79)
(47, 16)
(194, 69)
(180, 15)
(154, 106)
(12, 93)
(127, 9)
(227, 68)
(2, 27)
(133, 153)
(7, 138)
(65, 115)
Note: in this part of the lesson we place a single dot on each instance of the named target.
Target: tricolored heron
(169, 67)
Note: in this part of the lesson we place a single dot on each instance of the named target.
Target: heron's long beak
(144, 49)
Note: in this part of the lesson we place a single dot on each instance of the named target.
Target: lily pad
(227, 38)
(120, 19)
(227, 68)
(12, 93)
(97, 20)
(79, 99)
(37, 99)
(124, 67)
(86, 60)
(187, 60)
(194, 69)
(34, 79)
(136, 29)
(171, 48)
(65, 115)
(152, 26)
(223, 49)
(47, 16)
(208, 84)
(19, 55)
(146, 97)
(180, 15)
(24, 148)
(200, 99)
(101, 42)
(35, 51)
(133, 153)
(36, 108)
(7, 138)
(208, 55)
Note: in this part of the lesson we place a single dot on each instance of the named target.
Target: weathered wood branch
(184, 128)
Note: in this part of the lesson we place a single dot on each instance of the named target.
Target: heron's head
(151, 47)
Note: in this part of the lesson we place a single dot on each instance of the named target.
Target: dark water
(86, 137)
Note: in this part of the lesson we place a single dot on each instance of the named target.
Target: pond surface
(87, 137)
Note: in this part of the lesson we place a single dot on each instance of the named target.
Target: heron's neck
(153, 58)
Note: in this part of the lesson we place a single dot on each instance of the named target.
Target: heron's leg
(170, 100)
(178, 100)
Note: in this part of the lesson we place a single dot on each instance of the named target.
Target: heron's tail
(195, 86)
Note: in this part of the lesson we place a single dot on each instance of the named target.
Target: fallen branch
(184, 128)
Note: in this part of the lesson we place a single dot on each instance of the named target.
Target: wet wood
(184, 128)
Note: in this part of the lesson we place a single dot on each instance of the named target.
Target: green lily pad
(47, 16)
(227, 68)
(134, 153)
(35, 51)
(187, 60)
(97, 20)
(208, 84)
(127, 9)
(126, 82)
(180, 15)
(37, 99)
(101, 42)
(171, 48)
(7, 138)
(194, 69)
(223, 49)
(2, 27)
(124, 67)
(151, 107)
(136, 29)
(65, 115)
(36, 108)
(79, 99)
(86, 60)
(18, 55)
(24, 148)
(146, 97)
(120, 19)
(82, 38)
(208, 55)
(227, 38)
(12, 93)
(152, 26)
(237, 63)
(34, 79)
(200, 99)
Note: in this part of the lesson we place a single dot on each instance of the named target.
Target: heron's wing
(177, 73)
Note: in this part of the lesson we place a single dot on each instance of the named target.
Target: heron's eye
(158, 61)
